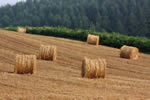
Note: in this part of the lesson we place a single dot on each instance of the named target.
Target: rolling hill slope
(61, 80)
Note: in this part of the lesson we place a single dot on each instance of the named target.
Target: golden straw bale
(129, 52)
(95, 68)
(25, 64)
(93, 39)
(21, 30)
(48, 52)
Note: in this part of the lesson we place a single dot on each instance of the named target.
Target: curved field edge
(108, 39)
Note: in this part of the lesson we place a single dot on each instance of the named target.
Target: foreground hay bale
(129, 52)
(93, 39)
(95, 68)
(21, 30)
(48, 52)
(25, 64)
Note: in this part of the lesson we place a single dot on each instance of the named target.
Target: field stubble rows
(125, 79)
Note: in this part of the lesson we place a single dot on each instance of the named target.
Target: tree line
(130, 17)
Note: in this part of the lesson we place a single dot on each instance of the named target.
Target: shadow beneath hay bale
(82, 69)
(4, 71)
(11, 72)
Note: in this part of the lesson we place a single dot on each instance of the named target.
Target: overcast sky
(4, 2)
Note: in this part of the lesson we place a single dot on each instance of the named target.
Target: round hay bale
(93, 39)
(95, 68)
(21, 30)
(129, 52)
(48, 52)
(25, 64)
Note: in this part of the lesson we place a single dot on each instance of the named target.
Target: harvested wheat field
(61, 79)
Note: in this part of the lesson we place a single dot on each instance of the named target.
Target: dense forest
(131, 17)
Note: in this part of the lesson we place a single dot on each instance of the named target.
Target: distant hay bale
(95, 68)
(21, 30)
(48, 52)
(93, 39)
(129, 52)
(25, 64)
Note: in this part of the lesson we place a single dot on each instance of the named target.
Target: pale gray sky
(4, 2)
